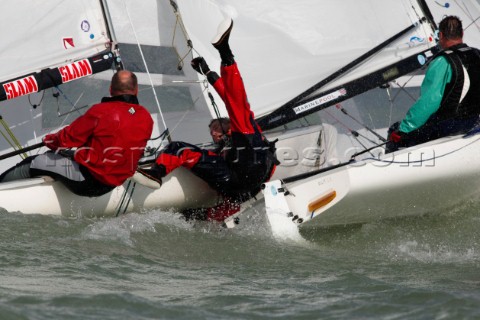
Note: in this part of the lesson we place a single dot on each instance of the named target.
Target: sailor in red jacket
(244, 159)
(110, 139)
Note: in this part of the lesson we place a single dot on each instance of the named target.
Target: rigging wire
(10, 139)
(402, 88)
(35, 105)
(149, 151)
(74, 105)
(355, 133)
(179, 21)
(339, 107)
(130, 197)
(468, 14)
(32, 117)
(390, 100)
(146, 67)
(124, 196)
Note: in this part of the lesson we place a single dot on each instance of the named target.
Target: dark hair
(124, 82)
(223, 121)
(451, 27)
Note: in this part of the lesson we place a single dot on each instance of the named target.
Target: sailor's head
(124, 82)
(219, 128)
(450, 31)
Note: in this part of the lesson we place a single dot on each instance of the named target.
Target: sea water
(154, 265)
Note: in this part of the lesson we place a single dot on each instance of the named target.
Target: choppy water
(156, 266)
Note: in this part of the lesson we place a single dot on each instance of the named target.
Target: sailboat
(371, 185)
(324, 78)
(93, 39)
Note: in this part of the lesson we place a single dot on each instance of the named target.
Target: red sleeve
(74, 135)
(51, 141)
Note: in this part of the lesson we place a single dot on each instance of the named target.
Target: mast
(428, 14)
(111, 35)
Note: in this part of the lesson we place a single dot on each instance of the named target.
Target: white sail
(153, 45)
(49, 44)
(467, 11)
(286, 47)
(283, 49)
(64, 31)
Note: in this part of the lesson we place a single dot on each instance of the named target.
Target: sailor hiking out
(243, 159)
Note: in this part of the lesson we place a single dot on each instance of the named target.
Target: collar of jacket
(128, 98)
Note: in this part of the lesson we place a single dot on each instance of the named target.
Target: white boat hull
(414, 181)
(179, 190)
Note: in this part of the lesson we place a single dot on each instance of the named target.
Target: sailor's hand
(50, 141)
(200, 65)
(396, 136)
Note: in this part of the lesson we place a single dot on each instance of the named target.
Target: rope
(130, 197)
(163, 135)
(367, 150)
(189, 44)
(124, 196)
(355, 134)
(11, 139)
(74, 105)
(338, 106)
(469, 14)
(146, 66)
(214, 105)
(179, 22)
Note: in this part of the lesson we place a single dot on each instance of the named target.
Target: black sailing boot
(220, 42)
(200, 65)
(150, 177)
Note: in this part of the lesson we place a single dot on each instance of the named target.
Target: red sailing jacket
(110, 138)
